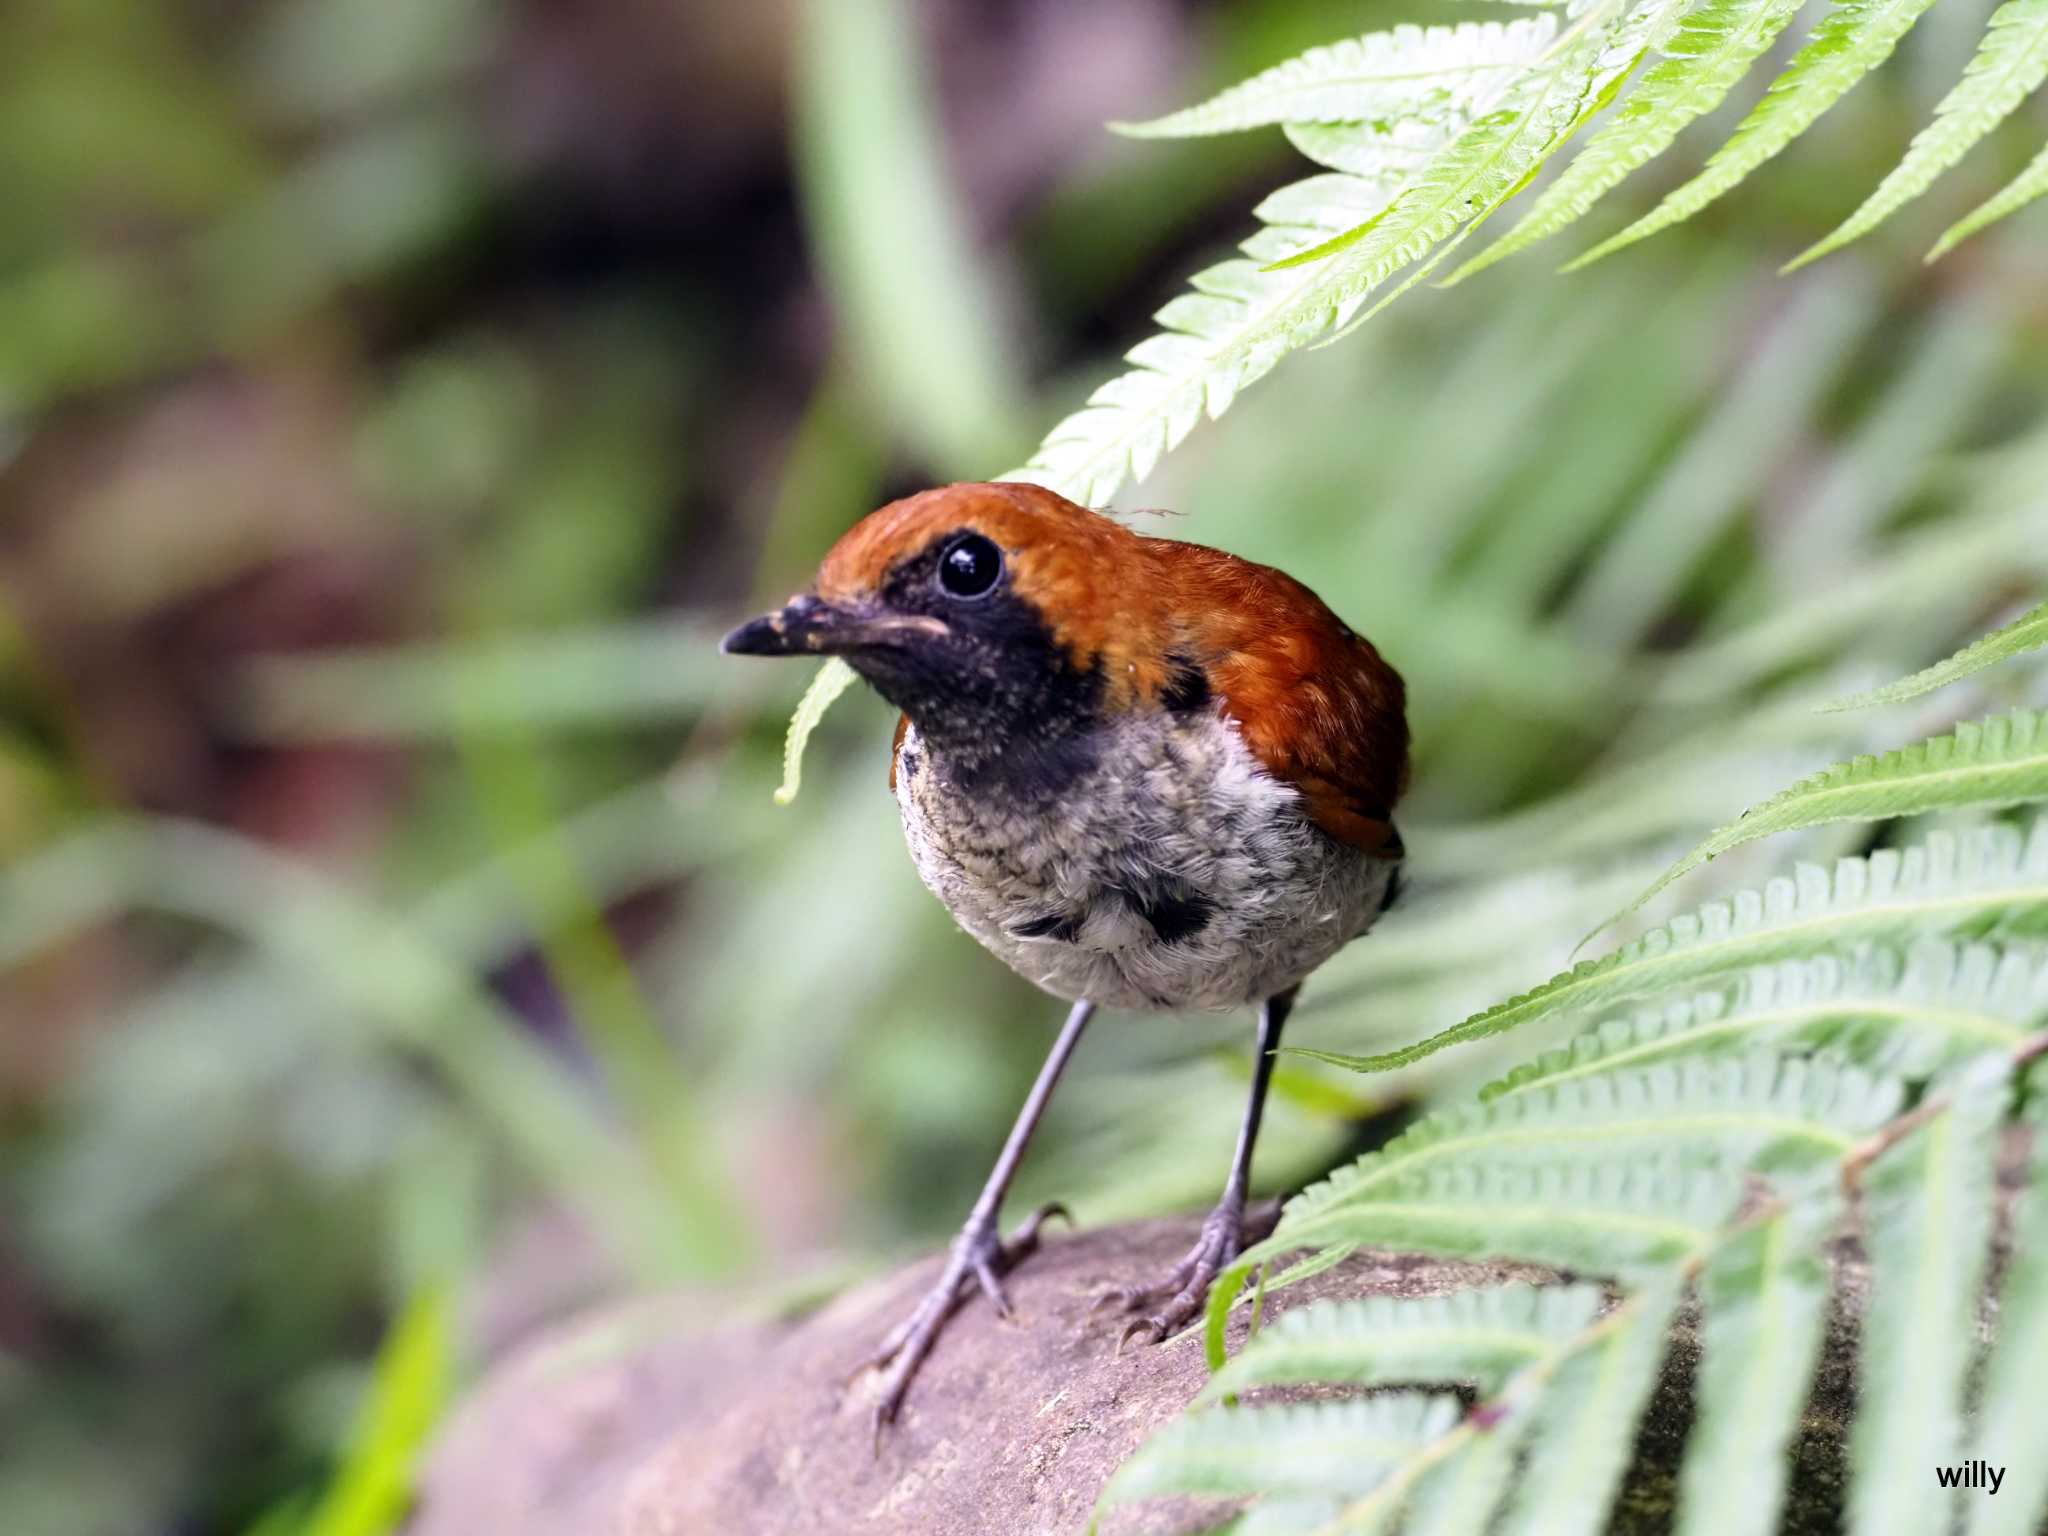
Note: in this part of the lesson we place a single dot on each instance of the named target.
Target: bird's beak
(810, 626)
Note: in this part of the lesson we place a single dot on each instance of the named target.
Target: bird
(1148, 775)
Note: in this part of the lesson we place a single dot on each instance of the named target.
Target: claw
(992, 1288)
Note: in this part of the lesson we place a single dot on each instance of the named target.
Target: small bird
(1148, 775)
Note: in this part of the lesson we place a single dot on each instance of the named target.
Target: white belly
(1176, 874)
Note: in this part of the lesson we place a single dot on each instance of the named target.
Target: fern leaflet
(1997, 762)
(1407, 72)
(1581, 1444)
(1298, 1449)
(1927, 1220)
(1763, 1304)
(1479, 1336)
(1714, 47)
(2026, 633)
(1854, 38)
(2007, 1422)
(2010, 62)
(1877, 1009)
(1993, 880)
(2015, 195)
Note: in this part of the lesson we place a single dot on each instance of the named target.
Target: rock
(651, 1421)
(646, 1423)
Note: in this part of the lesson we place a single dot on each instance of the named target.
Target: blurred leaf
(920, 316)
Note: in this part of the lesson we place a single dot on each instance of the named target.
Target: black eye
(970, 566)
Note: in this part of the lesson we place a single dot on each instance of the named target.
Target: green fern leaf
(1714, 47)
(1994, 880)
(1246, 315)
(1854, 38)
(1619, 1174)
(2008, 1421)
(1407, 72)
(1879, 1010)
(832, 679)
(1763, 1305)
(1343, 1448)
(2026, 633)
(1459, 1495)
(1477, 1336)
(2009, 63)
(1927, 1224)
(1495, 156)
(1997, 762)
(1239, 322)
(1581, 1443)
(2015, 195)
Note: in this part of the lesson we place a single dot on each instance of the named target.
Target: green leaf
(1876, 1008)
(2009, 63)
(1477, 1336)
(1927, 1215)
(1854, 38)
(1586, 1429)
(1991, 763)
(892, 237)
(1296, 1449)
(1494, 158)
(1993, 880)
(1459, 1495)
(1616, 1174)
(1406, 72)
(409, 1389)
(833, 679)
(2008, 1421)
(2026, 633)
(1240, 321)
(1713, 48)
(1246, 315)
(1763, 1304)
(2015, 195)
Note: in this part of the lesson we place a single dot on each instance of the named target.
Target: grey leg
(1224, 1230)
(979, 1253)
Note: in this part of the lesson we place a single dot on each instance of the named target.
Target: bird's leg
(979, 1254)
(1170, 1304)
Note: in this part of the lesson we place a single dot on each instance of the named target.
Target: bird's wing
(1317, 705)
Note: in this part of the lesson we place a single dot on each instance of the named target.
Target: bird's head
(984, 612)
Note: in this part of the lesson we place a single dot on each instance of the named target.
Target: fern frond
(1478, 1336)
(1246, 315)
(1581, 1444)
(1853, 39)
(1496, 155)
(1300, 1449)
(1459, 1494)
(2010, 62)
(1879, 1009)
(2031, 183)
(1239, 322)
(832, 679)
(1713, 48)
(1993, 881)
(1927, 1213)
(1991, 763)
(2007, 1425)
(1406, 72)
(1763, 1305)
(1618, 1174)
(2026, 633)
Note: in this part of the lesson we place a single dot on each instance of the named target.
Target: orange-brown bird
(1146, 774)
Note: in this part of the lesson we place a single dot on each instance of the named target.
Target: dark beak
(810, 626)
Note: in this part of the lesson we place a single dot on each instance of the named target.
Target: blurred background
(398, 397)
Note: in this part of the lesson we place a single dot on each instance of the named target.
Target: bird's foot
(1169, 1305)
(979, 1256)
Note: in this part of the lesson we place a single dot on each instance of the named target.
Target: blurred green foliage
(397, 396)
